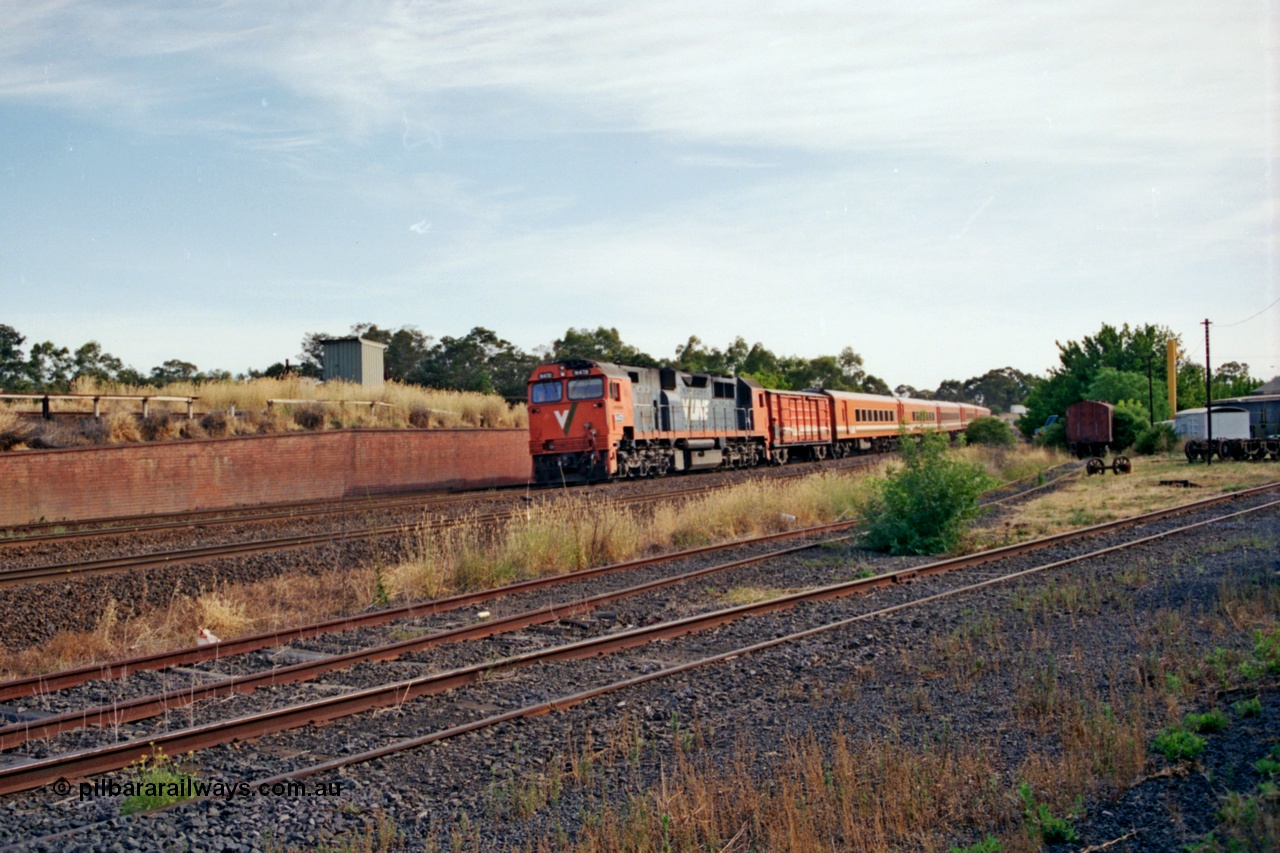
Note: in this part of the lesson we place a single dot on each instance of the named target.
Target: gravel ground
(37, 612)
(889, 674)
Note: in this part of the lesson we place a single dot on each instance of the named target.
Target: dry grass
(885, 794)
(1007, 464)
(582, 531)
(866, 794)
(228, 610)
(1085, 501)
(736, 595)
(574, 533)
(408, 406)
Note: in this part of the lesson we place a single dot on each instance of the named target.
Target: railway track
(112, 670)
(181, 556)
(400, 692)
(54, 532)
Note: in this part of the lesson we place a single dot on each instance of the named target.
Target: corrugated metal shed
(353, 359)
(1227, 423)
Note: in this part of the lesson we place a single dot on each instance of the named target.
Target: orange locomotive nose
(570, 422)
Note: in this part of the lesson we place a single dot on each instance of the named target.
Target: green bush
(922, 507)
(1207, 723)
(1054, 435)
(1159, 438)
(990, 431)
(1179, 745)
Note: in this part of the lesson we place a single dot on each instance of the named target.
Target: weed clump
(1206, 723)
(1179, 745)
(1042, 822)
(310, 417)
(922, 507)
(158, 782)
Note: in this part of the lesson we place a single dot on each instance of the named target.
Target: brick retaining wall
(134, 479)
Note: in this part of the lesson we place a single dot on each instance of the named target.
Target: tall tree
(13, 362)
(50, 367)
(90, 360)
(1124, 349)
(599, 345)
(480, 361)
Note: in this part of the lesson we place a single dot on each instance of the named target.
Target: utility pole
(1208, 398)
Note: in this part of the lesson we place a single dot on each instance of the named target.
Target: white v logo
(563, 418)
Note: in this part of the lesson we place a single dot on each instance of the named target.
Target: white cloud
(995, 79)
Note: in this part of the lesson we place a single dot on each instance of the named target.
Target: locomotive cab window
(591, 388)
(615, 391)
(544, 392)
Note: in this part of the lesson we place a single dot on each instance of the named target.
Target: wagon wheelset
(1121, 465)
(1095, 466)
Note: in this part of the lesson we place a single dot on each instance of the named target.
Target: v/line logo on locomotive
(591, 421)
(565, 418)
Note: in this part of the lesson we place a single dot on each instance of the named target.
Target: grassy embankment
(121, 422)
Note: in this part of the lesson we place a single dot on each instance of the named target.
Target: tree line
(1111, 365)
(49, 368)
(1128, 367)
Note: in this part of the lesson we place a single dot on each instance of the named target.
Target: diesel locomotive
(591, 421)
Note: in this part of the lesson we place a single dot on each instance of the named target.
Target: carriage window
(544, 392)
(591, 388)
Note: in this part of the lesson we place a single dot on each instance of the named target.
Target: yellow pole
(1171, 363)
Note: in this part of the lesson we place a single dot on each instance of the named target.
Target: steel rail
(50, 682)
(1056, 481)
(116, 756)
(39, 684)
(205, 553)
(18, 534)
(241, 515)
(565, 702)
(144, 707)
(36, 685)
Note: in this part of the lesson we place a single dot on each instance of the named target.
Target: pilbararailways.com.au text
(191, 788)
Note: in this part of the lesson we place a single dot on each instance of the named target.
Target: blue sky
(945, 187)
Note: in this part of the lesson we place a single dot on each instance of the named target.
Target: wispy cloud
(994, 79)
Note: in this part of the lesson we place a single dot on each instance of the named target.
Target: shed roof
(350, 340)
(1272, 387)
